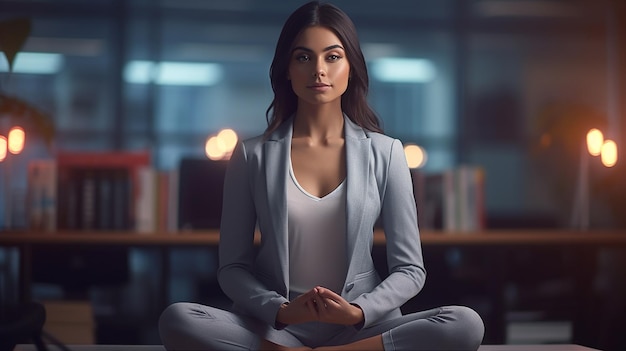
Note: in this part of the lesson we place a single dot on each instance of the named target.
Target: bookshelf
(211, 237)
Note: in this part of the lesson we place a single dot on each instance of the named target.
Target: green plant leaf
(13, 35)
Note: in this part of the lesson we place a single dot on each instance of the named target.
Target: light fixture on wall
(596, 145)
(12, 144)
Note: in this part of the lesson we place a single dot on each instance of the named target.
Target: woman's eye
(334, 57)
(302, 58)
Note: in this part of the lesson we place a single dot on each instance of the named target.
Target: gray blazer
(378, 185)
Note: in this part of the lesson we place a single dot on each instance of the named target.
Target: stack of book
(100, 191)
(452, 200)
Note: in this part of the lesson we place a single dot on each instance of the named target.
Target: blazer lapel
(277, 153)
(357, 174)
(277, 150)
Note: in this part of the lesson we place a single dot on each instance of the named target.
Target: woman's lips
(319, 87)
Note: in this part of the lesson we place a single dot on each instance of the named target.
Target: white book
(145, 205)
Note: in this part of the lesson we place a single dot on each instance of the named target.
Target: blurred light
(173, 73)
(403, 70)
(545, 140)
(415, 156)
(179, 73)
(34, 63)
(595, 139)
(212, 149)
(609, 153)
(227, 140)
(379, 50)
(138, 72)
(221, 146)
(16, 140)
(3, 148)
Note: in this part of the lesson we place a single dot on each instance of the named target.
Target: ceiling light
(180, 73)
(403, 70)
(173, 73)
(34, 63)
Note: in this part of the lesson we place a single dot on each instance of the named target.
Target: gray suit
(257, 278)
(378, 182)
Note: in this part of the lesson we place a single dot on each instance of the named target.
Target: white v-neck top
(317, 237)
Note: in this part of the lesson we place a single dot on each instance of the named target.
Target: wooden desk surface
(211, 237)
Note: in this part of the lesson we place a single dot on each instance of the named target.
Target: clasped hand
(322, 305)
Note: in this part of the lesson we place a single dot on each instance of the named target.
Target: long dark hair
(354, 100)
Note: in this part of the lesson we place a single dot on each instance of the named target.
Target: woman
(315, 184)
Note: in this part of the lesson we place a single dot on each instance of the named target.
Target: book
(172, 203)
(146, 204)
(430, 211)
(41, 195)
(99, 190)
(463, 199)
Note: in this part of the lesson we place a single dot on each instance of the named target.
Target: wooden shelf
(211, 237)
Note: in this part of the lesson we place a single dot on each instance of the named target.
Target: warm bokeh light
(3, 148)
(595, 139)
(212, 149)
(545, 140)
(16, 140)
(221, 146)
(415, 156)
(609, 153)
(227, 140)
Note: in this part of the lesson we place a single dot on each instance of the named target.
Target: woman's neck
(320, 122)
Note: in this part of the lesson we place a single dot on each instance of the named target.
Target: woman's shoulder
(377, 139)
(381, 141)
(252, 145)
(253, 141)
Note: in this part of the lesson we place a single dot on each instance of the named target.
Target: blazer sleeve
(404, 253)
(236, 248)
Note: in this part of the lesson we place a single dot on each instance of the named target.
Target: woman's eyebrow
(328, 48)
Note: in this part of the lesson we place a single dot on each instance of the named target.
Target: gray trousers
(191, 326)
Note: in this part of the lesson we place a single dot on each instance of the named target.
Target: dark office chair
(22, 325)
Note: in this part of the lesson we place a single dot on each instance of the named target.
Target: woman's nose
(320, 70)
(319, 73)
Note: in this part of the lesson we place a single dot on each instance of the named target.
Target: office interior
(508, 86)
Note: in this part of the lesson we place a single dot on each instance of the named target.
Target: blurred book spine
(463, 200)
(146, 204)
(452, 200)
(99, 190)
(157, 202)
(42, 195)
(173, 194)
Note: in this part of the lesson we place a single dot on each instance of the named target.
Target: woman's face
(318, 67)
